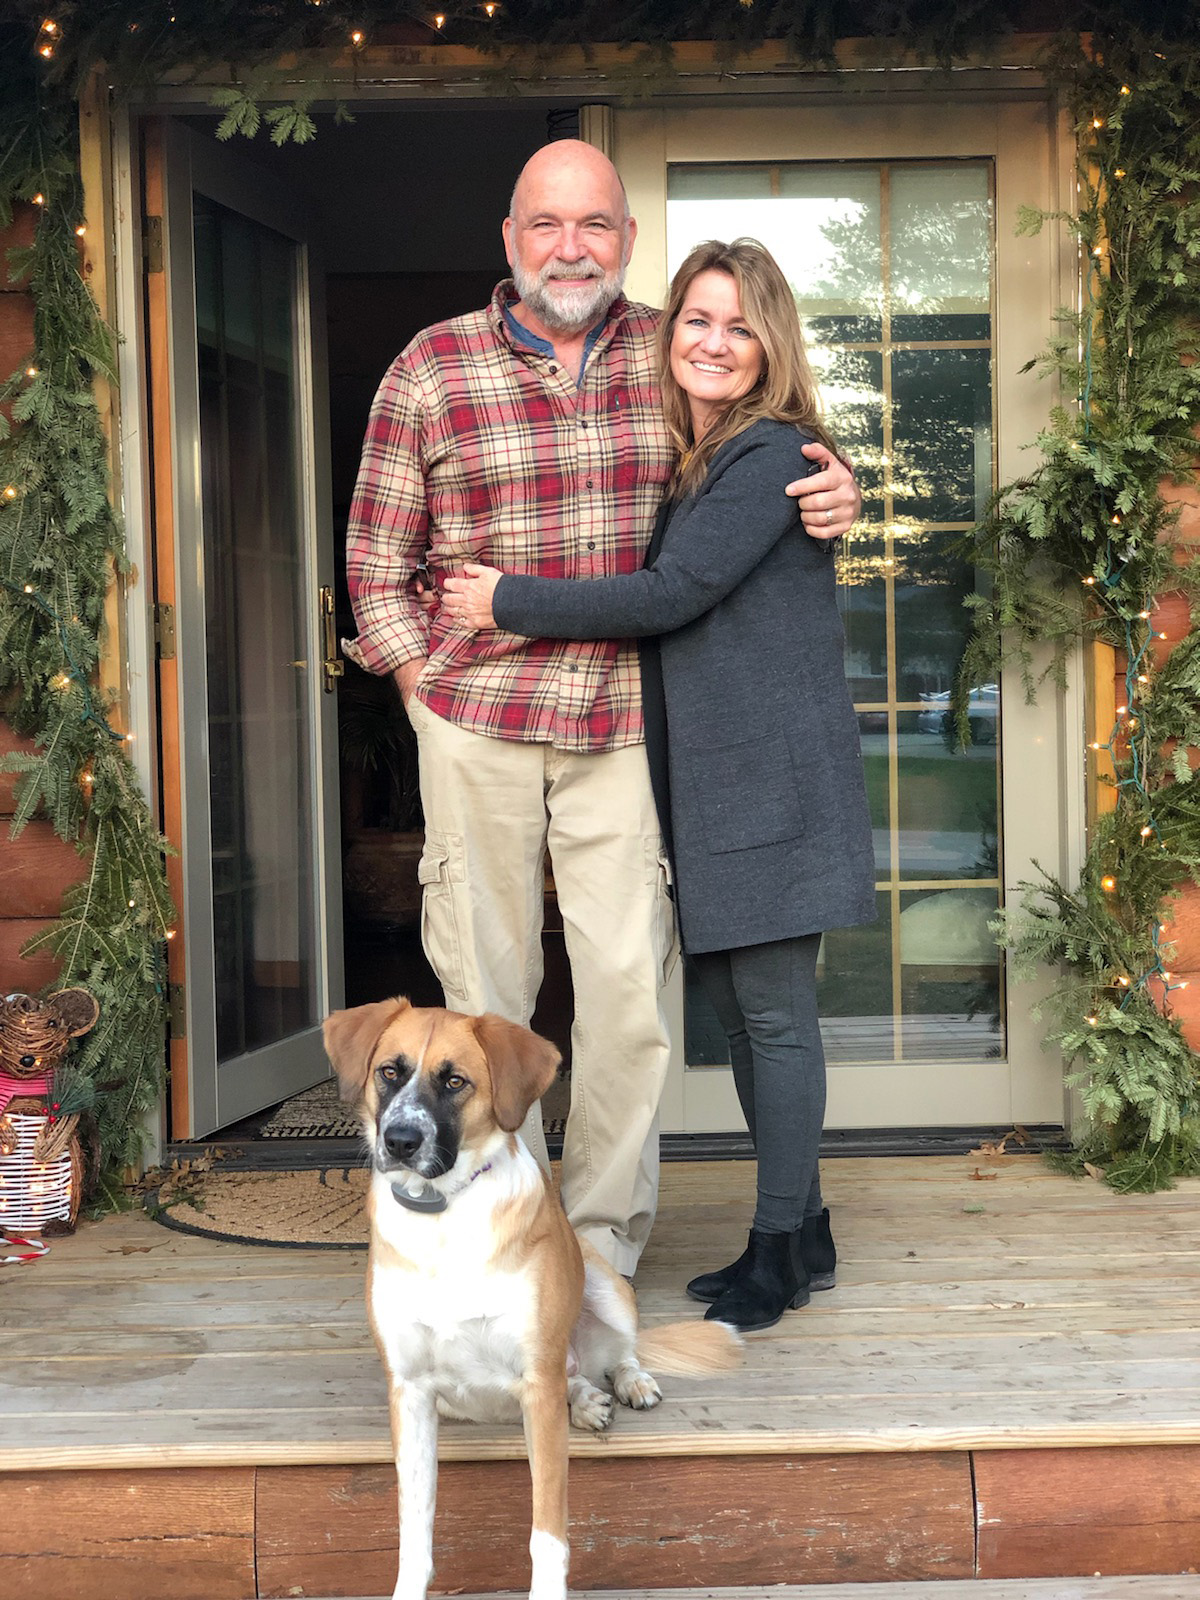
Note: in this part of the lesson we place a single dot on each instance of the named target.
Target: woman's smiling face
(716, 357)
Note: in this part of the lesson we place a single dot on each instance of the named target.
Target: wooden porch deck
(1005, 1384)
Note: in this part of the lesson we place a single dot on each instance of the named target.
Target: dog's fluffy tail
(690, 1349)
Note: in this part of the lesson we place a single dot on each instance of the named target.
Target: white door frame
(772, 120)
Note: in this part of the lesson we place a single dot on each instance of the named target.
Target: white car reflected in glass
(983, 713)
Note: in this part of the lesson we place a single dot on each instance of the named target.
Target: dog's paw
(635, 1387)
(591, 1408)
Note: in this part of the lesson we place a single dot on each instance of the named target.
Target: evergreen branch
(1081, 549)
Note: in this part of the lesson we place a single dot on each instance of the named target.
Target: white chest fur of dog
(454, 1322)
(489, 1309)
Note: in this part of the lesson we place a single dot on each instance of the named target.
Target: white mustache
(564, 269)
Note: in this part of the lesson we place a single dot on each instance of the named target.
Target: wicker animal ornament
(35, 1036)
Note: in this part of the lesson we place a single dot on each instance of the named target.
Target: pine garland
(59, 542)
(1086, 525)
(1084, 546)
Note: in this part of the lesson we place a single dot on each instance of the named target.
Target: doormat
(320, 1209)
(319, 1114)
(315, 1114)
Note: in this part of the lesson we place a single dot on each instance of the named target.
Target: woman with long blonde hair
(785, 390)
(750, 729)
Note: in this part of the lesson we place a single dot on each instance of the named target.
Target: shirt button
(553, 369)
(591, 544)
(589, 483)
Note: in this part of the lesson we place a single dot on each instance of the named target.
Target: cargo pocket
(666, 923)
(441, 869)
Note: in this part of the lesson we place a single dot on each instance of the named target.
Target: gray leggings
(765, 998)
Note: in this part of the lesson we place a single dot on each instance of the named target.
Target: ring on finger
(829, 519)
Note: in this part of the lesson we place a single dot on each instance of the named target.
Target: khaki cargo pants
(493, 808)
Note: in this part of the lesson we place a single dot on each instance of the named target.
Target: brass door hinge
(152, 243)
(164, 630)
(177, 1010)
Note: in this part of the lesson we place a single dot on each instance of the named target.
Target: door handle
(332, 667)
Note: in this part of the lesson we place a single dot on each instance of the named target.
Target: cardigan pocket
(747, 793)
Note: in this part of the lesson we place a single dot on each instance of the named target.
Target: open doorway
(402, 217)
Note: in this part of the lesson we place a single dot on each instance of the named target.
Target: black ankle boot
(772, 1280)
(710, 1286)
(816, 1250)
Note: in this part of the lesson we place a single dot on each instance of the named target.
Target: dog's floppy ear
(350, 1040)
(522, 1066)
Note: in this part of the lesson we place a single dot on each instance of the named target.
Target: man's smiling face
(568, 239)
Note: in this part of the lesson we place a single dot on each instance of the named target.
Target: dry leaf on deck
(982, 1177)
(1094, 1172)
(990, 1147)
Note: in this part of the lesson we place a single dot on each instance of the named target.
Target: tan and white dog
(484, 1304)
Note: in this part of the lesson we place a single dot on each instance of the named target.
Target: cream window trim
(1042, 746)
(127, 649)
(597, 127)
(132, 462)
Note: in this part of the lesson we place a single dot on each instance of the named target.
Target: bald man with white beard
(529, 436)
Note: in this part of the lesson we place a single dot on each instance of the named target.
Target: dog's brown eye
(454, 1081)
(388, 1072)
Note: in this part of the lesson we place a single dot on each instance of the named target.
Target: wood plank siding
(37, 868)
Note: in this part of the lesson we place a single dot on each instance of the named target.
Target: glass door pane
(891, 266)
(256, 597)
(251, 559)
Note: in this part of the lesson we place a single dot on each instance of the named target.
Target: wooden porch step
(1185, 1587)
(946, 1525)
(209, 1420)
(982, 1303)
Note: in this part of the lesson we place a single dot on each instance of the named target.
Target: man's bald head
(571, 161)
(568, 236)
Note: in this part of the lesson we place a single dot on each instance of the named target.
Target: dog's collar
(430, 1199)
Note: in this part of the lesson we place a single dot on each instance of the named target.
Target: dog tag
(429, 1199)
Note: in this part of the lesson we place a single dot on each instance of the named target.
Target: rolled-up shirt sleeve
(388, 531)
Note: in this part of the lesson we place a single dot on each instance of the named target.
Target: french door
(895, 231)
(244, 557)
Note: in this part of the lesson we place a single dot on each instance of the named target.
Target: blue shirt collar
(533, 341)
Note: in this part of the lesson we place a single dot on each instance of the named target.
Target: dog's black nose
(403, 1140)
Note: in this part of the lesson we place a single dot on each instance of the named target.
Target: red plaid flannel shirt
(482, 449)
